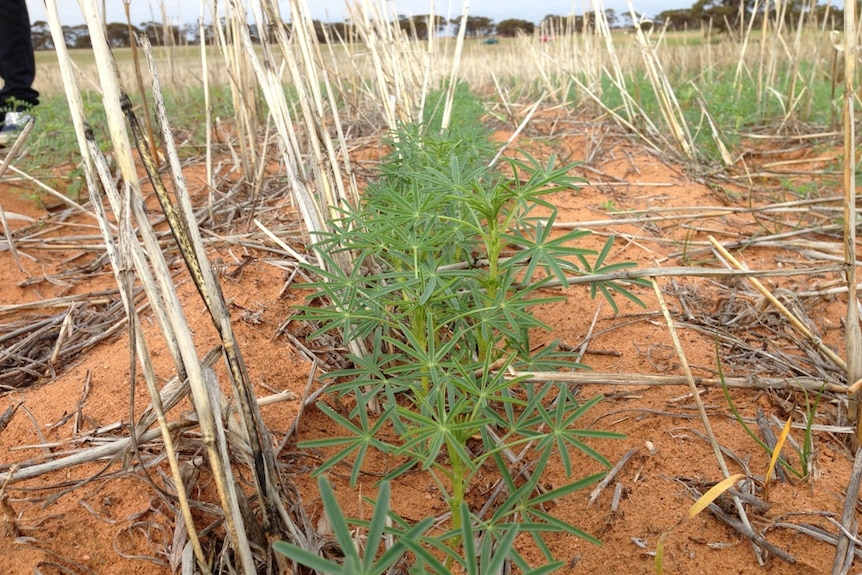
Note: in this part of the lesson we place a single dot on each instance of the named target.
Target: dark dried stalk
(163, 296)
(119, 257)
(181, 220)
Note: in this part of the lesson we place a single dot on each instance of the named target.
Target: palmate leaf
(488, 202)
(485, 386)
(457, 177)
(523, 509)
(523, 422)
(606, 287)
(368, 372)
(413, 203)
(496, 545)
(561, 433)
(507, 314)
(545, 251)
(353, 563)
(548, 358)
(357, 443)
(541, 181)
(444, 426)
(495, 549)
(356, 305)
(427, 286)
(417, 246)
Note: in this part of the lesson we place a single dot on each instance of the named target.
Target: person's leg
(17, 64)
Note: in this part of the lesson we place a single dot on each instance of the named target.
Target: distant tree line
(119, 35)
(721, 15)
(728, 15)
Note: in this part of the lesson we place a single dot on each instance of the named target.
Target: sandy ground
(106, 517)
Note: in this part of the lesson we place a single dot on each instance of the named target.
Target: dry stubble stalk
(92, 166)
(782, 309)
(11, 155)
(185, 230)
(122, 266)
(668, 104)
(853, 334)
(270, 489)
(176, 329)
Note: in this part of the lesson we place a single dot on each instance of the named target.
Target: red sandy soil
(114, 522)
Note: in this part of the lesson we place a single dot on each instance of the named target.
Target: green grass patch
(734, 109)
(52, 151)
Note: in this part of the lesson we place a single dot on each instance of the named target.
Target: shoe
(12, 126)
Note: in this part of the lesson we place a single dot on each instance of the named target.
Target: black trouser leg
(17, 64)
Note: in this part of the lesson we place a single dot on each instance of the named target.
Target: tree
(77, 36)
(833, 15)
(553, 24)
(585, 22)
(630, 22)
(343, 32)
(722, 14)
(210, 33)
(679, 19)
(118, 34)
(794, 10)
(161, 34)
(320, 30)
(417, 26)
(191, 33)
(41, 35)
(476, 25)
(511, 27)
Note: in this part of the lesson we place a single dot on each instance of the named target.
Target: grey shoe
(12, 126)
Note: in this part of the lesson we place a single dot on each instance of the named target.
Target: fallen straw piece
(794, 321)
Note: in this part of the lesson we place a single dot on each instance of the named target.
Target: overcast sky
(187, 11)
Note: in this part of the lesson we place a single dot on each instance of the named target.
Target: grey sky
(185, 11)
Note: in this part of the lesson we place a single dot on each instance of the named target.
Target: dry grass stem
(853, 332)
(184, 227)
(169, 314)
(700, 407)
(649, 380)
(782, 309)
(11, 155)
(518, 130)
(611, 475)
(845, 547)
(745, 530)
(108, 450)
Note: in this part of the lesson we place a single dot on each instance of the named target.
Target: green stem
(493, 249)
(419, 326)
(455, 499)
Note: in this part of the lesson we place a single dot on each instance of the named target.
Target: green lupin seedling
(448, 258)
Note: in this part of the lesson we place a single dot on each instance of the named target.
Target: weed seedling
(804, 452)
